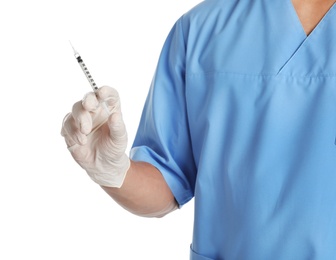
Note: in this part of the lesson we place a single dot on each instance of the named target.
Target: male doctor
(241, 116)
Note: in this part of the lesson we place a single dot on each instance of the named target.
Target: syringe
(88, 76)
(85, 69)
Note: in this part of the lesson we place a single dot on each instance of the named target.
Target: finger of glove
(90, 102)
(110, 96)
(71, 133)
(82, 119)
(64, 131)
(118, 133)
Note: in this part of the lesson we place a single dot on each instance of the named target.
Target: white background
(49, 208)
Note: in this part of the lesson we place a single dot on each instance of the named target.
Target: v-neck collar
(298, 23)
(307, 59)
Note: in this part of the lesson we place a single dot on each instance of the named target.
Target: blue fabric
(195, 256)
(241, 115)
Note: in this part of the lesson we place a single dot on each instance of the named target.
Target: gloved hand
(96, 137)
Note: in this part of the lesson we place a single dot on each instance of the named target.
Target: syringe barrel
(87, 73)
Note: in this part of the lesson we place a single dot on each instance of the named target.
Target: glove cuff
(114, 176)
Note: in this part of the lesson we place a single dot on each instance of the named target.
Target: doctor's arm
(144, 192)
(98, 142)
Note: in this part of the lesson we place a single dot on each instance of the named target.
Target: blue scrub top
(241, 115)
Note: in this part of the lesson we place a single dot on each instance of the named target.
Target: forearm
(144, 192)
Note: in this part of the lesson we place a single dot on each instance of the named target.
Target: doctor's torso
(261, 102)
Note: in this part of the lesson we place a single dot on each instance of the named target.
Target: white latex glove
(96, 136)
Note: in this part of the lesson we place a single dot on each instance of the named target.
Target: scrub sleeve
(163, 138)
